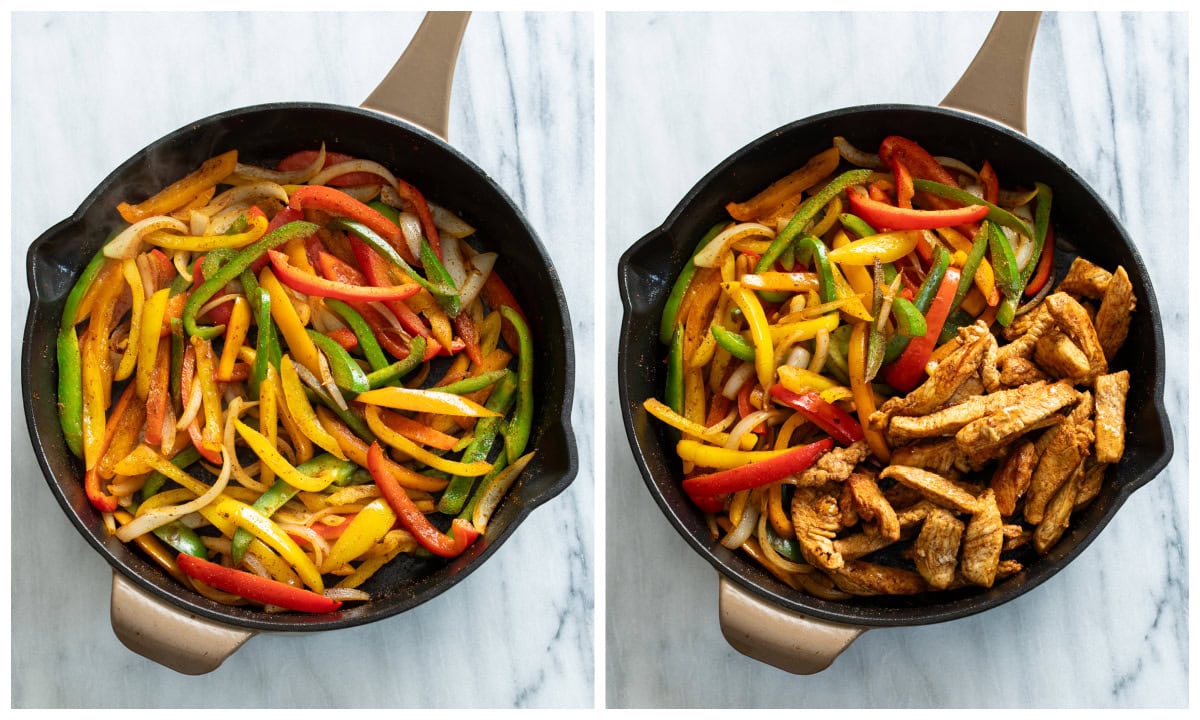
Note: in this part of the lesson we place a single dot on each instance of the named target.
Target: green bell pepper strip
(789, 548)
(876, 341)
(979, 248)
(909, 320)
(250, 289)
(811, 249)
(473, 384)
(266, 338)
(366, 338)
(70, 360)
(321, 466)
(670, 313)
(182, 538)
(214, 260)
(1041, 225)
(837, 363)
(735, 344)
(179, 284)
(924, 298)
(995, 213)
(516, 430)
(856, 225)
(349, 417)
(233, 269)
(400, 368)
(497, 467)
(673, 394)
(806, 213)
(346, 372)
(155, 480)
(1008, 275)
(444, 293)
(436, 271)
(459, 489)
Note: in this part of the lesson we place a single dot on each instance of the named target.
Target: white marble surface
(1108, 95)
(90, 90)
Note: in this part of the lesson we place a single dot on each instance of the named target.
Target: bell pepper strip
(415, 202)
(1041, 231)
(375, 271)
(159, 553)
(473, 383)
(232, 270)
(908, 370)
(970, 266)
(158, 396)
(817, 167)
(178, 193)
(254, 587)
(257, 227)
(278, 464)
(991, 184)
(886, 216)
(708, 456)
(181, 537)
(760, 333)
(1008, 275)
(101, 500)
(887, 247)
(152, 324)
(133, 278)
(438, 284)
(497, 295)
(904, 184)
(433, 401)
(236, 330)
(829, 417)
(856, 225)
(361, 533)
(516, 431)
(313, 285)
(206, 375)
(804, 329)
(486, 431)
(995, 213)
(288, 322)
(344, 337)
(155, 480)
(70, 370)
(811, 250)
(733, 343)
(426, 435)
(806, 213)
(400, 368)
(264, 343)
(670, 311)
(346, 371)
(759, 473)
(985, 278)
(98, 283)
(465, 327)
(1044, 266)
(367, 342)
(418, 453)
(462, 534)
(340, 205)
(440, 278)
(909, 320)
(915, 158)
(864, 396)
(301, 411)
(356, 450)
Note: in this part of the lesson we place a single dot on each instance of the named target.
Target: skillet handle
(185, 643)
(787, 640)
(417, 88)
(996, 82)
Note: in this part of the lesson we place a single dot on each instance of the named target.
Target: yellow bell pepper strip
(670, 312)
(856, 275)
(432, 401)
(677, 421)
(418, 453)
(888, 247)
(805, 214)
(101, 500)
(995, 213)
(235, 334)
(746, 476)
(864, 398)
(791, 282)
(153, 312)
(462, 534)
(70, 370)
(206, 375)
(817, 167)
(255, 587)
(207, 243)
(283, 312)
(361, 534)
(133, 278)
(301, 410)
(985, 277)
(356, 451)
(268, 419)
(800, 380)
(760, 333)
(804, 329)
(704, 455)
(281, 467)
(233, 269)
(180, 192)
(853, 307)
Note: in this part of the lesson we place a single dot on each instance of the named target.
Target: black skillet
(761, 616)
(151, 612)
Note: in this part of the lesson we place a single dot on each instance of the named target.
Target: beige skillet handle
(417, 88)
(995, 85)
(782, 638)
(185, 643)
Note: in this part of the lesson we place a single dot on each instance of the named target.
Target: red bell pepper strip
(344, 337)
(304, 158)
(708, 503)
(904, 184)
(885, 216)
(339, 204)
(835, 421)
(745, 408)
(915, 159)
(159, 394)
(496, 294)
(1044, 266)
(413, 520)
(754, 475)
(470, 337)
(413, 197)
(301, 281)
(375, 270)
(876, 192)
(991, 184)
(254, 587)
(909, 369)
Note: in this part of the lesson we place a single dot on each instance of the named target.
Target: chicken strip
(1012, 476)
(1112, 319)
(1058, 514)
(835, 465)
(934, 487)
(1073, 319)
(1055, 353)
(817, 519)
(950, 420)
(997, 428)
(872, 506)
(852, 547)
(1091, 482)
(1064, 453)
(1020, 371)
(1085, 279)
(982, 542)
(1040, 321)
(952, 372)
(1111, 391)
(935, 551)
(863, 578)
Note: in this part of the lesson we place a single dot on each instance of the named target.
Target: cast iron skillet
(761, 616)
(264, 134)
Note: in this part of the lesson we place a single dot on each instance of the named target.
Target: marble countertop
(88, 91)
(1107, 95)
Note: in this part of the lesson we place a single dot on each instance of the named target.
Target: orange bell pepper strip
(462, 533)
(235, 334)
(356, 450)
(339, 204)
(418, 432)
(864, 397)
(817, 167)
(159, 392)
(101, 500)
(180, 192)
(991, 184)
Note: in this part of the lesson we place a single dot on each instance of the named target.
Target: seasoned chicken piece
(1015, 536)
(817, 519)
(1012, 476)
(970, 387)
(1055, 353)
(863, 578)
(1018, 371)
(950, 420)
(913, 516)
(1022, 323)
(835, 465)
(902, 497)
(989, 374)
(1058, 514)
(935, 551)
(1091, 482)
(1008, 568)
(872, 506)
(939, 455)
(997, 428)
(846, 505)
(952, 372)
(852, 547)
(933, 486)
(1070, 443)
(820, 585)
(1110, 416)
(1112, 319)
(1070, 316)
(982, 542)
(1022, 346)
(1084, 278)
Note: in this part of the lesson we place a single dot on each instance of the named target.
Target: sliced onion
(482, 265)
(388, 315)
(956, 164)
(764, 542)
(324, 320)
(181, 259)
(453, 262)
(362, 193)
(215, 302)
(1024, 252)
(799, 357)
(346, 594)
(745, 527)
(737, 378)
(449, 223)
(197, 223)
(495, 491)
(319, 545)
(244, 195)
(721, 425)
(168, 429)
(390, 197)
(1013, 199)
(255, 566)
(854, 156)
(352, 166)
(1041, 294)
(128, 243)
(283, 177)
(714, 251)
(744, 426)
(149, 284)
(191, 409)
(158, 517)
(327, 377)
(410, 227)
(222, 221)
(820, 351)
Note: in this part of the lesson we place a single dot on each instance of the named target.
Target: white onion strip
(854, 156)
(158, 517)
(482, 265)
(496, 490)
(351, 166)
(744, 426)
(192, 408)
(714, 252)
(243, 194)
(215, 302)
(449, 223)
(410, 227)
(733, 385)
(361, 193)
(745, 527)
(283, 177)
(452, 260)
(128, 243)
(956, 164)
(346, 594)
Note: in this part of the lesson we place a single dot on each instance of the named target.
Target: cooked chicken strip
(911, 517)
(1058, 514)
(1018, 371)
(933, 486)
(1112, 319)
(1070, 316)
(1084, 278)
(849, 517)
(835, 465)
(1012, 476)
(1002, 426)
(864, 578)
(1065, 451)
(935, 551)
(1055, 353)
(1022, 346)
(872, 507)
(955, 369)
(952, 419)
(1111, 391)
(852, 547)
(1091, 482)
(982, 542)
(940, 455)
(1015, 536)
(1008, 568)
(816, 518)
(1022, 323)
